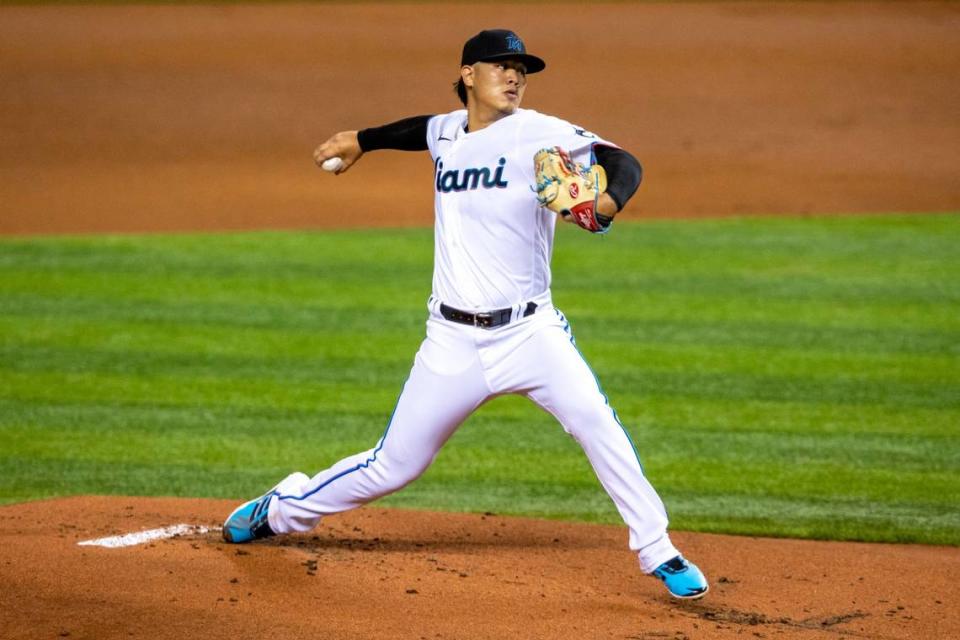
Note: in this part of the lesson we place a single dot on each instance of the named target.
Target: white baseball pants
(457, 369)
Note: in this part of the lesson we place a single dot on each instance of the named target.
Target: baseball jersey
(493, 241)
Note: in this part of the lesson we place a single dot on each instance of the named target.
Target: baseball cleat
(683, 579)
(249, 521)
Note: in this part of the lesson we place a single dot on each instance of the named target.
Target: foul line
(131, 539)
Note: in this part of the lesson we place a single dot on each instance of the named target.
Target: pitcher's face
(496, 86)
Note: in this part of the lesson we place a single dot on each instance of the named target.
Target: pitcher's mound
(381, 573)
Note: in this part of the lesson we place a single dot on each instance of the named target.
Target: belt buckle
(483, 320)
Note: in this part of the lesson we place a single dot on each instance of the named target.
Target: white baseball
(332, 164)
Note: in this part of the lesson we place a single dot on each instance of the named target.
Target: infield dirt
(376, 573)
(150, 118)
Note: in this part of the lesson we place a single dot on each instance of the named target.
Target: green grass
(780, 376)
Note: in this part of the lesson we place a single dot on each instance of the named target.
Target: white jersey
(493, 241)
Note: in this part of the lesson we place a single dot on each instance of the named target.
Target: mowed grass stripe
(109, 369)
(779, 376)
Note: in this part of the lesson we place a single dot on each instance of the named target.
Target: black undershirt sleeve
(624, 173)
(409, 134)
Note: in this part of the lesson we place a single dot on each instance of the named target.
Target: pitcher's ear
(466, 74)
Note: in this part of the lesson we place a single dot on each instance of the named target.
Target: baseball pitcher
(503, 176)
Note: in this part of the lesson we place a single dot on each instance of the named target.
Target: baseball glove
(569, 188)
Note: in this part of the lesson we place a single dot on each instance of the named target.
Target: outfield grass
(780, 376)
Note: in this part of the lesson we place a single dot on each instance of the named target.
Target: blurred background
(138, 117)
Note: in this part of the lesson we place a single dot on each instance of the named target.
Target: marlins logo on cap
(499, 44)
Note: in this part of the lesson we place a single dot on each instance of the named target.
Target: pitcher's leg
(436, 398)
(569, 390)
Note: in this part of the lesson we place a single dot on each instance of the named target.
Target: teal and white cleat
(683, 579)
(249, 521)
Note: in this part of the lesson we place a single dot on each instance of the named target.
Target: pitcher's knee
(589, 419)
(395, 473)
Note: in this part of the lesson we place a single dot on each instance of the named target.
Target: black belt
(486, 319)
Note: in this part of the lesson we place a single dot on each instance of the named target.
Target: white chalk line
(132, 539)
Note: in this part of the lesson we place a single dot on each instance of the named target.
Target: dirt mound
(379, 573)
